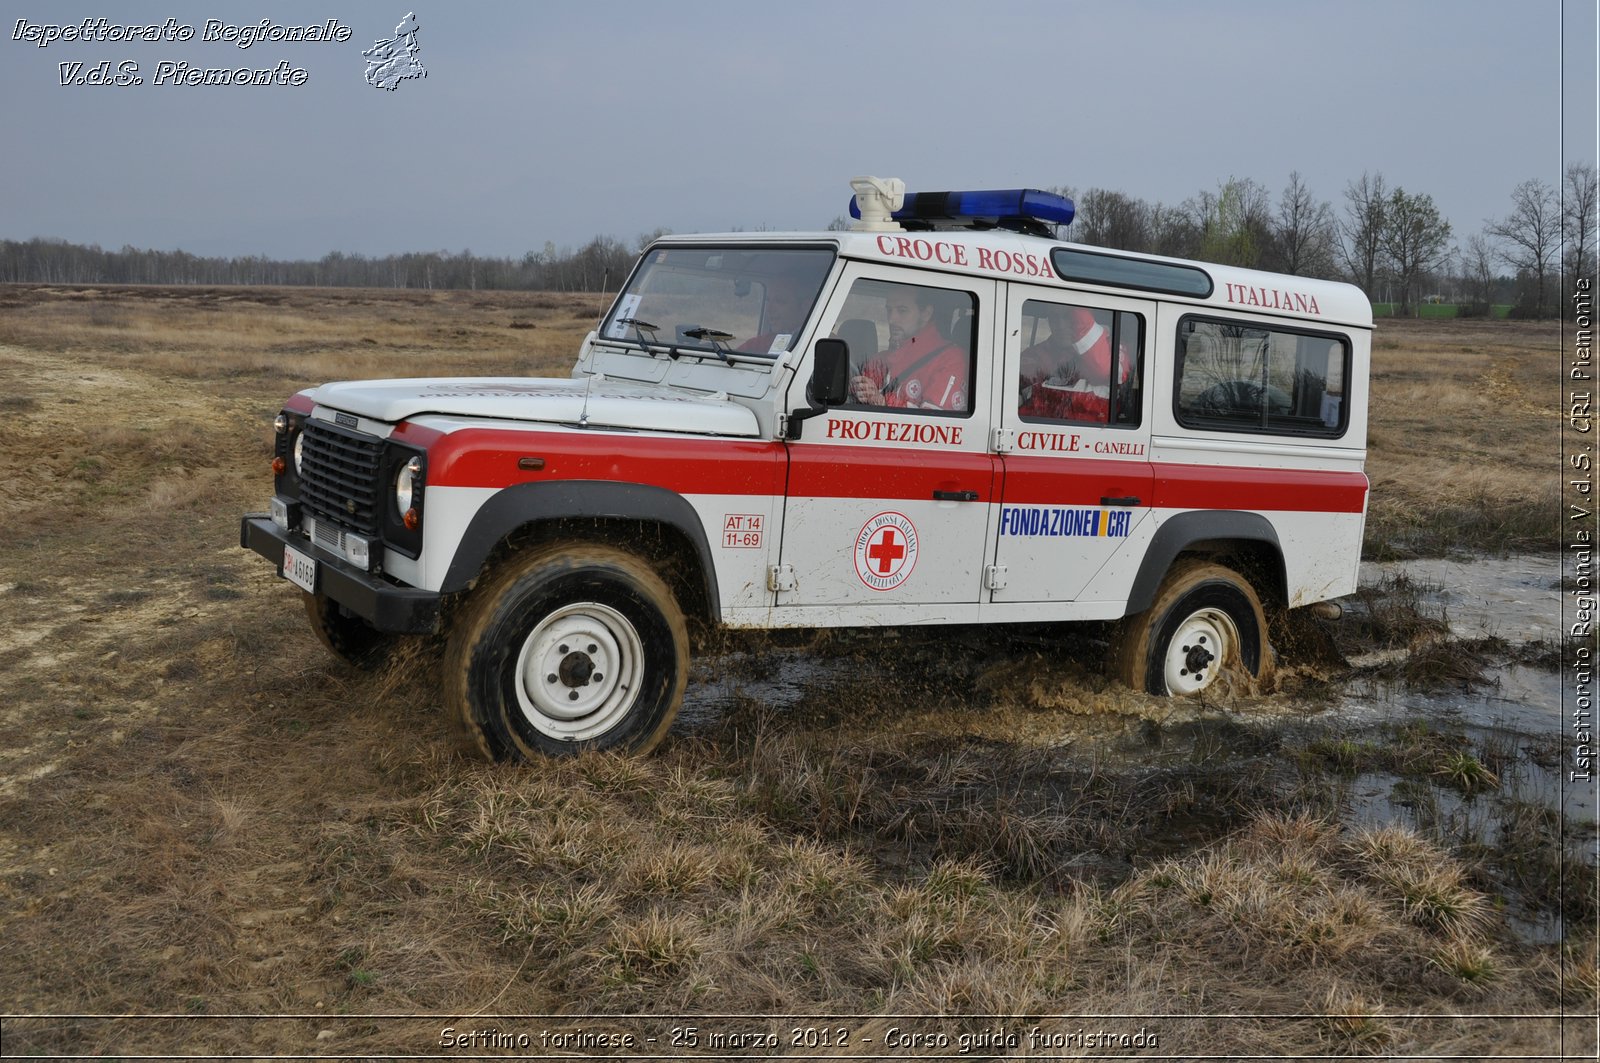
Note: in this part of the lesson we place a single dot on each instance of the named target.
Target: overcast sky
(557, 121)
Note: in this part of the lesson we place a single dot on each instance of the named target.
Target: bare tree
(1172, 232)
(1530, 236)
(1579, 195)
(1112, 219)
(1361, 230)
(1303, 238)
(1415, 237)
(1477, 271)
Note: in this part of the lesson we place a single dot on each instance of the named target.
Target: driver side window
(911, 347)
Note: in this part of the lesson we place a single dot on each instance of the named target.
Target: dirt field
(205, 822)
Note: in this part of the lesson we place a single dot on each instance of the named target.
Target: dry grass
(200, 813)
(1461, 437)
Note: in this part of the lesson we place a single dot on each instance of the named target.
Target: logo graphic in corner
(886, 551)
(391, 62)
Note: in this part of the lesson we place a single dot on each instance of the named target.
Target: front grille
(328, 535)
(339, 476)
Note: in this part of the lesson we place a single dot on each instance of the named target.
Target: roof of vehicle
(1006, 255)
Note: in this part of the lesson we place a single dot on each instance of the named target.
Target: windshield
(720, 300)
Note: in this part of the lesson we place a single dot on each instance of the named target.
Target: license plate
(300, 569)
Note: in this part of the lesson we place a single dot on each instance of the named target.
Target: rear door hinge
(1003, 440)
(994, 577)
(780, 578)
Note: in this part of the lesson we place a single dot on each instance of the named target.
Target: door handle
(955, 496)
(1127, 500)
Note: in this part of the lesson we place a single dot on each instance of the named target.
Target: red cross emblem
(886, 551)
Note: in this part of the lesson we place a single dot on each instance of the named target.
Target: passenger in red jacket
(782, 315)
(921, 369)
(1068, 374)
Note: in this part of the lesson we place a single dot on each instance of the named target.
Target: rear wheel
(348, 637)
(1204, 629)
(572, 647)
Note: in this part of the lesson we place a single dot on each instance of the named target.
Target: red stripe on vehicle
(490, 457)
(1074, 481)
(1230, 487)
(477, 457)
(885, 473)
(416, 435)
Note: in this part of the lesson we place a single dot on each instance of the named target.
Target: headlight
(405, 485)
(299, 446)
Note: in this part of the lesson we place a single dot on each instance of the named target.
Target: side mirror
(829, 384)
(830, 373)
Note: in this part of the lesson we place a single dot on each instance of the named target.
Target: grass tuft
(1354, 1022)
(1465, 772)
(1467, 962)
(1436, 898)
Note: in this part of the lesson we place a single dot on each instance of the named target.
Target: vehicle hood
(606, 403)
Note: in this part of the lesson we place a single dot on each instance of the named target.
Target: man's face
(906, 318)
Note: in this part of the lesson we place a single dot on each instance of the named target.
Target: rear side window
(1239, 377)
(1080, 364)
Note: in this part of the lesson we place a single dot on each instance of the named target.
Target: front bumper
(384, 605)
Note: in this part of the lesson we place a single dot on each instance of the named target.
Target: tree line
(1393, 243)
(599, 265)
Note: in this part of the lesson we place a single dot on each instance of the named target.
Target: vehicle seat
(862, 337)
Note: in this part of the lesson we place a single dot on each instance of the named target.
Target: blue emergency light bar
(1023, 209)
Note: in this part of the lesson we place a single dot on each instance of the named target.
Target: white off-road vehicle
(943, 416)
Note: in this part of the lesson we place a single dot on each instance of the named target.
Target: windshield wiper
(717, 337)
(640, 328)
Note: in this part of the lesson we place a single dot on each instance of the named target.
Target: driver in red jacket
(921, 369)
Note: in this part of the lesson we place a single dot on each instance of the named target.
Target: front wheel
(1204, 629)
(572, 647)
(347, 636)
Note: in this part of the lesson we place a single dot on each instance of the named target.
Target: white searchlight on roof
(877, 198)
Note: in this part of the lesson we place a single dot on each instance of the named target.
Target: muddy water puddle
(1513, 603)
(1476, 758)
(1517, 598)
(1516, 712)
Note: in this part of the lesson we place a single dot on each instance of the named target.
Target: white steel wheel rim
(1198, 650)
(578, 671)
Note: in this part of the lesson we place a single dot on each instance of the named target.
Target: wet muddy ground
(1435, 703)
(202, 814)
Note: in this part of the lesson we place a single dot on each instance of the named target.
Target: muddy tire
(1204, 631)
(349, 638)
(569, 648)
